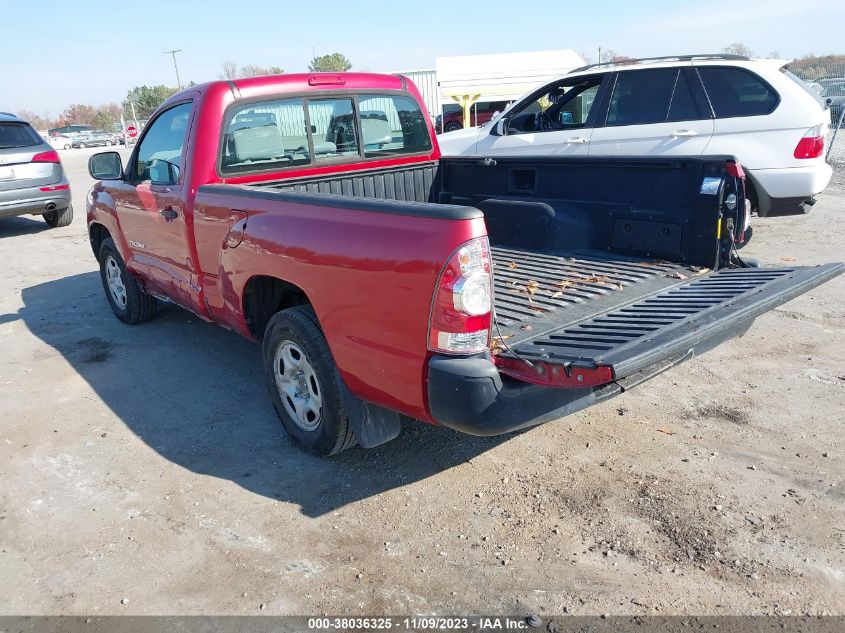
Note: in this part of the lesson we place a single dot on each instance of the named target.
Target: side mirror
(105, 166)
(501, 128)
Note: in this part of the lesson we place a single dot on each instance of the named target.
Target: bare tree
(738, 48)
(229, 70)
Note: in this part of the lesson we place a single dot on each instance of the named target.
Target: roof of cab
(303, 82)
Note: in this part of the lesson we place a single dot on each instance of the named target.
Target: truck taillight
(811, 144)
(463, 301)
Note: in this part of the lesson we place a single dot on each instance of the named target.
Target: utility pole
(599, 54)
(173, 53)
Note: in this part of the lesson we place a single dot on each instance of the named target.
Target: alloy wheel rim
(114, 278)
(298, 386)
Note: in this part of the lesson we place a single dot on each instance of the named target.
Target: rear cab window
(735, 92)
(17, 134)
(280, 133)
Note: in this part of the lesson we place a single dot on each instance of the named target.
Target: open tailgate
(650, 334)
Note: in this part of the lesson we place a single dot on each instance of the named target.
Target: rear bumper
(783, 191)
(471, 396)
(32, 200)
(38, 206)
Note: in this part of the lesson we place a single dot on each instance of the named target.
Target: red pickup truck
(313, 213)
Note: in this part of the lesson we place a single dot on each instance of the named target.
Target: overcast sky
(60, 52)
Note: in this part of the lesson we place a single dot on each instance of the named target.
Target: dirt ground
(143, 471)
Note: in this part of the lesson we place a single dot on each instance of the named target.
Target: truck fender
(372, 424)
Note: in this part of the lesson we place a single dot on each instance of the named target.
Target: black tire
(82, 146)
(299, 326)
(108, 143)
(59, 217)
(140, 306)
(453, 127)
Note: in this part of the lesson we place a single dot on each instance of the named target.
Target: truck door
(555, 122)
(150, 207)
(657, 111)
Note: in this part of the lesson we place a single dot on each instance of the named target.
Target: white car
(59, 142)
(755, 110)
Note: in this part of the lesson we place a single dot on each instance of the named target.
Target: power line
(173, 53)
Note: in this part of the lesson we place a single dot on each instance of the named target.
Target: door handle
(576, 140)
(684, 133)
(169, 214)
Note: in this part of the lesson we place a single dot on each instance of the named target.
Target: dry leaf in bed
(787, 258)
(677, 275)
(497, 344)
(512, 265)
(532, 287)
(526, 327)
(555, 295)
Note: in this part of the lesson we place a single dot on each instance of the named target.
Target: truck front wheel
(127, 299)
(304, 384)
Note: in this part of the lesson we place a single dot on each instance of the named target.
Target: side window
(159, 157)
(683, 106)
(333, 128)
(737, 92)
(567, 105)
(392, 125)
(268, 135)
(641, 97)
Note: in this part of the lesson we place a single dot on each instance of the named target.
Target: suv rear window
(737, 92)
(13, 134)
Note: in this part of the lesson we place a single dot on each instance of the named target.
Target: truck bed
(538, 292)
(596, 262)
(591, 308)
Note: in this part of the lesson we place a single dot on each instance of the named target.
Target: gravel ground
(143, 471)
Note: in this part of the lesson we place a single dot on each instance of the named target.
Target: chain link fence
(826, 76)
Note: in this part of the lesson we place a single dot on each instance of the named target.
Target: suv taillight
(811, 144)
(463, 301)
(46, 157)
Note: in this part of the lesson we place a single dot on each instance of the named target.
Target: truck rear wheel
(127, 299)
(304, 384)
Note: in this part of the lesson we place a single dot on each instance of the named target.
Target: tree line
(145, 99)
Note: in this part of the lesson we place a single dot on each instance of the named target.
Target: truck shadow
(195, 394)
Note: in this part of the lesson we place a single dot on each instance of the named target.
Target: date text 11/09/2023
(478, 623)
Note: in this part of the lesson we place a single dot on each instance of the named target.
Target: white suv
(755, 110)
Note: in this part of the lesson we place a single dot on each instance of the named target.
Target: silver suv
(32, 180)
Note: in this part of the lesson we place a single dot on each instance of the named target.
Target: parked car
(833, 93)
(481, 295)
(679, 106)
(32, 180)
(482, 112)
(96, 139)
(60, 141)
